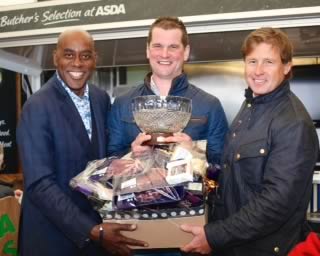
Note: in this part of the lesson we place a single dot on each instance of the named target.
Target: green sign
(9, 249)
(7, 227)
(108, 11)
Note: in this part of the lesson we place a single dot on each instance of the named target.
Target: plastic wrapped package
(177, 169)
(146, 188)
(166, 183)
(88, 183)
(155, 196)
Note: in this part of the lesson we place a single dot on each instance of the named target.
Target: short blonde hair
(273, 36)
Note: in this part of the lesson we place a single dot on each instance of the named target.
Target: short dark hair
(69, 32)
(167, 23)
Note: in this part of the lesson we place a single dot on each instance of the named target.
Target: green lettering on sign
(8, 250)
(6, 226)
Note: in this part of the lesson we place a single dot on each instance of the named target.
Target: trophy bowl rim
(156, 98)
(162, 97)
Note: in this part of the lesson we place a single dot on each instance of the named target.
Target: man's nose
(164, 52)
(77, 61)
(259, 69)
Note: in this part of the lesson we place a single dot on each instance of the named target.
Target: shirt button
(276, 249)
(233, 134)
(262, 151)
(240, 121)
(238, 156)
(249, 105)
(225, 166)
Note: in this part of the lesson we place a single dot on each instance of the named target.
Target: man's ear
(287, 68)
(186, 52)
(95, 59)
(54, 55)
(147, 50)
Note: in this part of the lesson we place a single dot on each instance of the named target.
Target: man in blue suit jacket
(62, 127)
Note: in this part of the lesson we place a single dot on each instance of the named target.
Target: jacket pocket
(197, 127)
(253, 149)
(215, 207)
(276, 244)
(250, 159)
(198, 120)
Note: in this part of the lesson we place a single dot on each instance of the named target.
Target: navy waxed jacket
(266, 178)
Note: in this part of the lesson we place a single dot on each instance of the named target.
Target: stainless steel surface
(205, 47)
(211, 65)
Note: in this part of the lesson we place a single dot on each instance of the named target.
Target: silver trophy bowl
(161, 116)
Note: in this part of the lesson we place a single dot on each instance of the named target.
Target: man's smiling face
(166, 53)
(75, 60)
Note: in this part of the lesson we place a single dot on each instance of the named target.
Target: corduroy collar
(281, 90)
(178, 84)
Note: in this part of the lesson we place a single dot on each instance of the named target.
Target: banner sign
(108, 11)
(8, 122)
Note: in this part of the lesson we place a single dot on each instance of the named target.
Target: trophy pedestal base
(156, 139)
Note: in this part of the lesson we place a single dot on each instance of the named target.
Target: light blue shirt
(82, 104)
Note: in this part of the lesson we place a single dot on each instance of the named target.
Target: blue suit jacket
(54, 147)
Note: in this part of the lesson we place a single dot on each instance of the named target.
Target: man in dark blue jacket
(167, 50)
(62, 127)
(268, 161)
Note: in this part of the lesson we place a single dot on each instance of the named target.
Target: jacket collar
(178, 84)
(71, 114)
(279, 92)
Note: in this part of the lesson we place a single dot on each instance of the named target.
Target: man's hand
(199, 243)
(179, 137)
(113, 241)
(136, 146)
